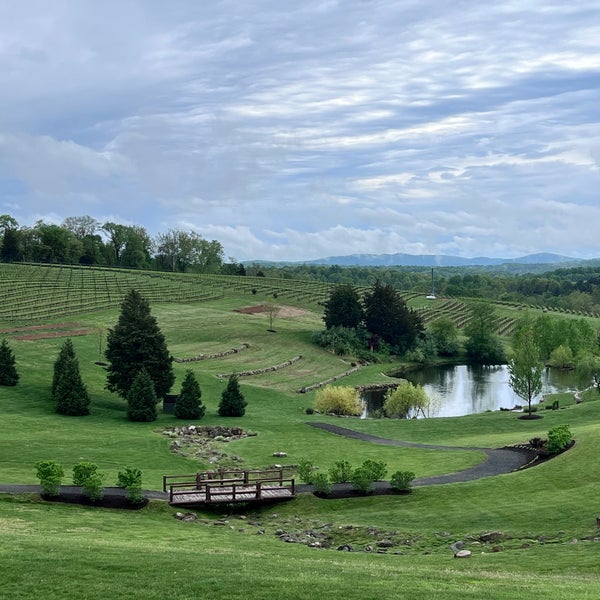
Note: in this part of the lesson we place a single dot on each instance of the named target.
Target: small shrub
(555, 405)
(378, 413)
(305, 470)
(338, 400)
(402, 480)
(83, 471)
(362, 480)
(310, 410)
(131, 480)
(341, 472)
(50, 474)
(533, 408)
(321, 485)
(377, 468)
(92, 486)
(559, 438)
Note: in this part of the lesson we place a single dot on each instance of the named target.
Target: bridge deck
(228, 495)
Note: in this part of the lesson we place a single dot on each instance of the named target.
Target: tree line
(86, 241)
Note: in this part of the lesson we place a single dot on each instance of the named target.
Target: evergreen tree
(233, 403)
(141, 398)
(8, 370)
(189, 405)
(134, 343)
(388, 317)
(67, 351)
(70, 394)
(343, 308)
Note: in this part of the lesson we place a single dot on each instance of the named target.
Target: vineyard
(39, 293)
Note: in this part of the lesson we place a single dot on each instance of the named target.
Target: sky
(300, 130)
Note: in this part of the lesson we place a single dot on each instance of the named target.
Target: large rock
(462, 554)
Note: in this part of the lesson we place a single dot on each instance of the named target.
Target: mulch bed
(109, 500)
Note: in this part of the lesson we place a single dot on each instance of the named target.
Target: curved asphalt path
(498, 462)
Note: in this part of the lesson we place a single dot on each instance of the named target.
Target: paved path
(498, 461)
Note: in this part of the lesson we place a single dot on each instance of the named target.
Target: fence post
(258, 490)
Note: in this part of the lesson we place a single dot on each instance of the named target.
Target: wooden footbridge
(226, 487)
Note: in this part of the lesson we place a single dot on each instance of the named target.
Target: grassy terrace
(547, 515)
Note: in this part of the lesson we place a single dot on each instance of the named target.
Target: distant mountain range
(433, 260)
(437, 260)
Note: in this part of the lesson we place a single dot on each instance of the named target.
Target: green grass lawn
(62, 551)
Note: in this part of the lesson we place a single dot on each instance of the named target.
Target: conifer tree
(233, 403)
(71, 394)
(66, 351)
(136, 343)
(141, 398)
(189, 405)
(8, 370)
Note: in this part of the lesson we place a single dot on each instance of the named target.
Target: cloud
(312, 129)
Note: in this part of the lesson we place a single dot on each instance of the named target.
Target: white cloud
(312, 129)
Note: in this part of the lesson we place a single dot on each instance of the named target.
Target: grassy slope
(556, 500)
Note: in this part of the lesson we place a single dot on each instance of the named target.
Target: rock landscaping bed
(206, 443)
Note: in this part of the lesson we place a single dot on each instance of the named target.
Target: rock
(498, 549)
(280, 454)
(462, 554)
(384, 544)
(345, 548)
(459, 545)
(490, 536)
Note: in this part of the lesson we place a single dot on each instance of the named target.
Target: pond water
(463, 389)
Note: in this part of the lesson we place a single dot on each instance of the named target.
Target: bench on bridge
(213, 487)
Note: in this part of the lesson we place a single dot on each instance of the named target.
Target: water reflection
(465, 389)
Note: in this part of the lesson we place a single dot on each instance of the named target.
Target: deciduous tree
(483, 345)
(525, 367)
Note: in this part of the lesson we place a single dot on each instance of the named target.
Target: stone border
(316, 386)
(287, 363)
(211, 356)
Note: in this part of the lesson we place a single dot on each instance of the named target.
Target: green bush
(340, 472)
(362, 480)
(338, 400)
(50, 474)
(559, 438)
(93, 486)
(83, 471)
(310, 410)
(377, 468)
(321, 485)
(131, 480)
(402, 480)
(305, 470)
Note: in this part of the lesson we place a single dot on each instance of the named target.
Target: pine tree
(233, 403)
(70, 394)
(66, 351)
(8, 370)
(141, 398)
(136, 343)
(189, 405)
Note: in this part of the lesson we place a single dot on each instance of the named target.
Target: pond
(460, 390)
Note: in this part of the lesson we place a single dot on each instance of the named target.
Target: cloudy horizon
(297, 132)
